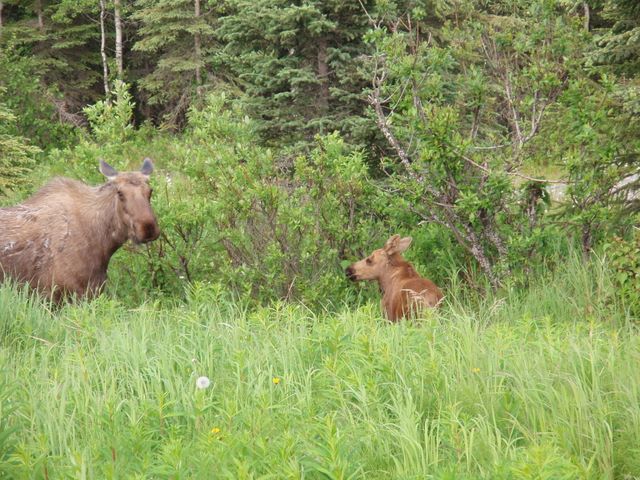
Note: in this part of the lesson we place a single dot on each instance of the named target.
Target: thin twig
(515, 174)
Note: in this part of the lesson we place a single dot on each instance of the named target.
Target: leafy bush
(113, 138)
(462, 111)
(599, 145)
(39, 109)
(624, 257)
(110, 119)
(266, 225)
(286, 229)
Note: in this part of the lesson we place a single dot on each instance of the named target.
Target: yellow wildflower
(215, 430)
(275, 380)
(475, 370)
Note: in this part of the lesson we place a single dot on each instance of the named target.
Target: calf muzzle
(351, 275)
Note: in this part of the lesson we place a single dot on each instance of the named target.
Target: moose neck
(397, 266)
(108, 231)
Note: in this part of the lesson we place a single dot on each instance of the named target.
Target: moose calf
(403, 290)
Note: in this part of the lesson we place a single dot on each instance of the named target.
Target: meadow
(290, 139)
(541, 383)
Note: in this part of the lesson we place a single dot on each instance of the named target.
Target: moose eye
(120, 195)
(369, 261)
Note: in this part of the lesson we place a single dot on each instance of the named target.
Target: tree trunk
(103, 41)
(196, 45)
(587, 239)
(1, 7)
(40, 15)
(587, 16)
(483, 261)
(323, 76)
(118, 27)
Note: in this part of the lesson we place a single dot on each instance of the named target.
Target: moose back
(60, 240)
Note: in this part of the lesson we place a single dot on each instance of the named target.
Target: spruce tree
(175, 36)
(298, 63)
(16, 155)
(62, 37)
(620, 44)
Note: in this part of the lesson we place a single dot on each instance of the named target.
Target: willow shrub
(265, 224)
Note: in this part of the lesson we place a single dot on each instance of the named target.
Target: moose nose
(150, 232)
(351, 275)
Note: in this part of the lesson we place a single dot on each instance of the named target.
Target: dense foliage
(15, 153)
(303, 133)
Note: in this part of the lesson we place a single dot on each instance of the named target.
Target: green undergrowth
(541, 384)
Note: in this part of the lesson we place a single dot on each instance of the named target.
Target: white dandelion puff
(203, 382)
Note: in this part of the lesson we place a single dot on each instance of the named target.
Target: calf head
(379, 263)
(134, 201)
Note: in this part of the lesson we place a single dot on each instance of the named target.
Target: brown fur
(61, 239)
(404, 291)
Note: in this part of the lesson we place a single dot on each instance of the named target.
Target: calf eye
(120, 195)
(369, 261)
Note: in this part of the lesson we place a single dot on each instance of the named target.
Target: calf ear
(404, 244)
(397, 245)
(147, 167)
(107, 170)
(391, 246)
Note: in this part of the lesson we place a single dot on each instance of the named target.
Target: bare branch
(514, 174)
(371, 20)
(515, 118)
(383, 125)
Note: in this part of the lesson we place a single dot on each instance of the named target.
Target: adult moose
(404, 292)
(60, 240)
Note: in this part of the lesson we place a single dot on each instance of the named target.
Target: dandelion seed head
(203, 382)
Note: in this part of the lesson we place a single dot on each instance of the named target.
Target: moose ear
(147, 167)
(107, 170)
(397, 245)
(392, 244)
(404, 244)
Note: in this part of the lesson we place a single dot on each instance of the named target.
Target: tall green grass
(540, 384)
